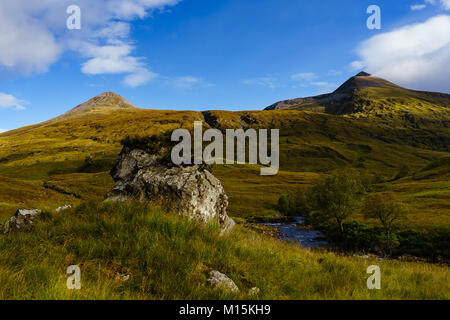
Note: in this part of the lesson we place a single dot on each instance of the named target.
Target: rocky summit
(190, 191)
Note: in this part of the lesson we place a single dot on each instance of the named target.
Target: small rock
(122, 277)
(64, 207)
(21, 220)
(253, 291)
(220, 280)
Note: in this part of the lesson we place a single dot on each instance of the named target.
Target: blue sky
(210, 54)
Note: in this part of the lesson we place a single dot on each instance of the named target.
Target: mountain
(104, 102)
(367, 96)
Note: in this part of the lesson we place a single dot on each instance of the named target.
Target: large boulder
(190, 191)
(22, 220)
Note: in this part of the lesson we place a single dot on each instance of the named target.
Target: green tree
(387, 208)
(284, 204)
(338, 196)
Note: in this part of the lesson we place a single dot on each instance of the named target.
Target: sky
(210, 54)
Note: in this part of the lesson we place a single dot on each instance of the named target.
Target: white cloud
(261, 81)
(416, 55)
(27, 45)
(34, 34)
(3, 130)
(304, 76)
(416, 7)
(9, 101)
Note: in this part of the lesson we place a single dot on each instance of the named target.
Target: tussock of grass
(170, 257)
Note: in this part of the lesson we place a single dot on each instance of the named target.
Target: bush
(284, 205)
(291, 205)
(357, 236)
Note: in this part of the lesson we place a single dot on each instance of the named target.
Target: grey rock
(220, 280)
(253, 291)
(62, 208)
(22, 220)
(190, 191)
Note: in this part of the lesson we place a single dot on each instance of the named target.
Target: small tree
(338, 196)
(284, 204)
(387, 208)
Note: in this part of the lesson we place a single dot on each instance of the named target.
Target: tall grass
(170, 257)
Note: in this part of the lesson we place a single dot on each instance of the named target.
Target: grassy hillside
(75, 155)
(369, 97)
(169, 257)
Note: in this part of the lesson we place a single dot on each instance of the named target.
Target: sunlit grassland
(311, 146)
(169, 257)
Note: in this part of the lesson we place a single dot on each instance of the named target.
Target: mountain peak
(103, 102)
(363, 74)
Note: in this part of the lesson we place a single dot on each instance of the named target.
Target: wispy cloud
(187, 82)
(269, 82)
(9, 101)
(324, 86)
(417, 7)
(444, 4)
(3, 130)
(416, 55)
(334, 72)
(304, 76)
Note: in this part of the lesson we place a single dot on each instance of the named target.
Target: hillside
(366, 96)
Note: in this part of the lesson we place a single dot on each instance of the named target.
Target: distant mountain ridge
(367, 95)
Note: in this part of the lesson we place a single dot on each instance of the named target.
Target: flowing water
(295, 231)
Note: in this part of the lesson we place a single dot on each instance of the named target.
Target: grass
(169, 257)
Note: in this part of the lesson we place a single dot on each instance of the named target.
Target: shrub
(284, 205)
(387, 208)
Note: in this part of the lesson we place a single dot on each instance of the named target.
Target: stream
(295, 231)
